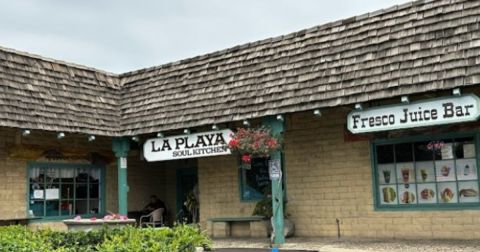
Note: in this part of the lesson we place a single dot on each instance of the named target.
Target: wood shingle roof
(412, 48)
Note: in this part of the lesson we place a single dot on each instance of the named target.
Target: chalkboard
(257, 178)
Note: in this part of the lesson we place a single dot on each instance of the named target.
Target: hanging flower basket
(254, 142)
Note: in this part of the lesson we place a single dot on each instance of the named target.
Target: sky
(119, 35)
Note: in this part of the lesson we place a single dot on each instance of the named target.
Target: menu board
(466, 169)
(407, 195)
(427, 193)
(447, 192)
(388, 195)
(405, 173)
(425, 171)
(468, 192)
(386, 174)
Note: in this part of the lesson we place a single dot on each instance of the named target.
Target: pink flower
(123, 217)
(108, 217)
(93, 218)
(233, 143)
(77, 218)
(246, 158)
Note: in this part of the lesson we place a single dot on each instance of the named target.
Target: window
(255, 182)
(59, 190)
(427, 173)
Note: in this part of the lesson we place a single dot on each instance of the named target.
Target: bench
(17, 221)
(248, 226)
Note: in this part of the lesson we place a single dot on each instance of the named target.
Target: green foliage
(180, 238)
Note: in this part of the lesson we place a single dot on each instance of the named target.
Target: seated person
(154, 204)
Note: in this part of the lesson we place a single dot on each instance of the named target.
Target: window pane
(94, 206)
(94, 191)
(67, 175)
(52, 208)
(403, 152)
(81, 191)
(465, 148)
(443, 149)
(94, 175)
(66, 207)
(67, 191)
(385, 154)
(422, 151)
(52, 175)
(82, 175)
(81, 207)
(256, 180)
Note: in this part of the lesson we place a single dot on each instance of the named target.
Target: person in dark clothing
(155, 203)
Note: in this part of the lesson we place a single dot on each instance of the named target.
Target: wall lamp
(405, 99)
(215, 127)
(160, 135)
(60, 135)
(358, 106)
(246, 123)
(456, 92)
(186, 131)
(280, 117)
(26, 132)
(91, 138)
(317, 113)
(135, 138)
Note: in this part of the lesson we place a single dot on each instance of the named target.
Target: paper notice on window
(51, 194)
(447, 151)
(468, 150)
(38, 194)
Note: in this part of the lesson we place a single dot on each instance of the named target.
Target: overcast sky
(120, 36)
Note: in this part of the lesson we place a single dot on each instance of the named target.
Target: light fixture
(91, 138)
(456, 92)
(135, 138)
(405, 99)
(160, 135)
(246, 123)
(214, 127)
(186, 131)
(280, 117)
(26, 132)
(358, 106)
(61, 135)
(317, 113)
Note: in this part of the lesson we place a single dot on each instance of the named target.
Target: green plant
(179, 238)
(264, 208)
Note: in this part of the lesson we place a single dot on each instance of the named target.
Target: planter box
(88, 225)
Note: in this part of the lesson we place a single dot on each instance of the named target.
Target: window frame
(59, 166)
(419, 138)
(241, 182)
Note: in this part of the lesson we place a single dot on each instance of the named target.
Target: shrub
(180, 238)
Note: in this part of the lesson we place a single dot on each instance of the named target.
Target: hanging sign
(203, 144)
(444, 110)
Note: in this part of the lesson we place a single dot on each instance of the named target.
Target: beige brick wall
(328, 178)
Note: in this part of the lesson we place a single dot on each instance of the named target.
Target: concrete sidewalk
(352, 245)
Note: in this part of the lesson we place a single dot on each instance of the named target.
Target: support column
(120, 147)
(277, 127)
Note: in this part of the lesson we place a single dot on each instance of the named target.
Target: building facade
(60, 121)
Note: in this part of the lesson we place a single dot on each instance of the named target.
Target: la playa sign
(438, 111)
(203, 144)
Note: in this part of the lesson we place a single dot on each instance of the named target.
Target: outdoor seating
(153, 219)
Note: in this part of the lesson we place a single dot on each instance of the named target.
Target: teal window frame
(102, 187)
(412, 139)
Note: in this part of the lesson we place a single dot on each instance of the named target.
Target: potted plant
(264, 208)
(254, 142)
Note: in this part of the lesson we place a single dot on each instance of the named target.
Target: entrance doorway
(187, 195)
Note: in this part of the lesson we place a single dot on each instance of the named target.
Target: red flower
(246, 158)
(233, 143)
(272, 143)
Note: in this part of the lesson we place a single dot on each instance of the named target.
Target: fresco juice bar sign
(203, 144)
(437, 111)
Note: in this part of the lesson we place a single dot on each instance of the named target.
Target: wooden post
(277, 127)
(120, 147)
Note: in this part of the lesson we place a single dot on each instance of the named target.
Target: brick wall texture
(328, 178)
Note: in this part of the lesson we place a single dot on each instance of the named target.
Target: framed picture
(427, 193)
(466, 169)
(425, 171)
(468, 191)
(445, 170)
(407, 195)
(388, 195)
(386, 174)
(447, 192)
(405, 173)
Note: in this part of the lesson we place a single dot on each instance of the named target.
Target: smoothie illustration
(424, 174)
(386, 176)
(405, 176)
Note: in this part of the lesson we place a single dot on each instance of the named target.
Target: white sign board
(203, 144)
(444, 110)
(275, 170)
(123, 163)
